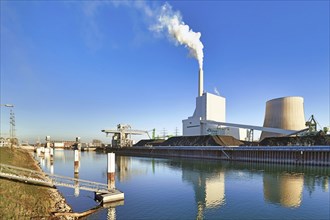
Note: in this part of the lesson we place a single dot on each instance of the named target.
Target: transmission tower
(12, 131)
(164, 133)
(176, 131)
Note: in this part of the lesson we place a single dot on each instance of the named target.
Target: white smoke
(164, 19)
(171, 21)
(216, 91)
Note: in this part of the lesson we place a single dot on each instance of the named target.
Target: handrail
(13, 171)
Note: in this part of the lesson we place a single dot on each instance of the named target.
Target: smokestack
(200, 82)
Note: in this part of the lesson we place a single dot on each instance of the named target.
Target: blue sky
(72, 68)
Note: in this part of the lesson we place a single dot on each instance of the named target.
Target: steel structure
(47, 179)
(12, 123)
(122, 136)
(253, 127)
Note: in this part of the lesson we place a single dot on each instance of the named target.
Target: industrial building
(122, 136)
(284, 113)
(284, 116)
(210, 107)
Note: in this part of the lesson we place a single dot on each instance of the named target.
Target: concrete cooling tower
(285, 113)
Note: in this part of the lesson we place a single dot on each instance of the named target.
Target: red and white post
(51, 152)
(76, 161)
(111, 171)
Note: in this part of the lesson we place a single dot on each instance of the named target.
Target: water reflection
(208, 181)
(111, 209)
(52, 167)
(76, 185)
(209, 188)
(125, 169)
(284, 189)
(215, 188)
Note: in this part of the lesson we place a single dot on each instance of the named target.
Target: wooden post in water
(111, 171)
(76, 161)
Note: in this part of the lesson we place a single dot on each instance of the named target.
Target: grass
(19, 200)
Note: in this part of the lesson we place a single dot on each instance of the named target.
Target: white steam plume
(180, 32)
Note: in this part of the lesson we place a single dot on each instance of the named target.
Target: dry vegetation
(23, 201)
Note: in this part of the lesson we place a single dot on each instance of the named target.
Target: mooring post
(51, 152)
(111, 171)
(76, 161)
(47, 141)
(78, 144)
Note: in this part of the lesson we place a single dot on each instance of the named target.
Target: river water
(198, 189)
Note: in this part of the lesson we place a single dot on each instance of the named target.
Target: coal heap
(307, 140)
(205, 140)
(150, 142)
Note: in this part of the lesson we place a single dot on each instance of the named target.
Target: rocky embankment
(24, 201)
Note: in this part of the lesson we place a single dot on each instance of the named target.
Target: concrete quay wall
(299, 155)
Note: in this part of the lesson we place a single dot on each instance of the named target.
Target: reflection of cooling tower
(215, 191)
(285, 113)
(285, 189)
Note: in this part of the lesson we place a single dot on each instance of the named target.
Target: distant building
(63, 144)
(4, 142)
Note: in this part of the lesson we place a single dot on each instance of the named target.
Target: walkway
(47, 179)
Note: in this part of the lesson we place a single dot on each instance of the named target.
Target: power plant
(210, 109)
(284, 116)
(285, 113)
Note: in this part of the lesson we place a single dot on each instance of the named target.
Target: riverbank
(24, 201)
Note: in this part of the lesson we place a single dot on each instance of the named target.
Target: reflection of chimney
(200, 82)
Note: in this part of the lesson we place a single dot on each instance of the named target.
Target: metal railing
(38, 177)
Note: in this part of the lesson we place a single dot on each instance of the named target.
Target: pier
(101, 190)
(299, 155)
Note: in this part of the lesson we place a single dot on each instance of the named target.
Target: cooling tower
(285, 113)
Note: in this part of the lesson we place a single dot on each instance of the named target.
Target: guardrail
(47, 179)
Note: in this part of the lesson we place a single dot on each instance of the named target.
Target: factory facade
(209, 107)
